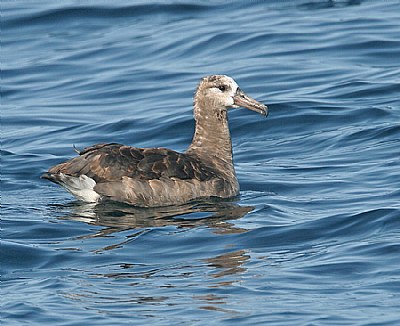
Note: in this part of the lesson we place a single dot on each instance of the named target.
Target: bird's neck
(212, 140)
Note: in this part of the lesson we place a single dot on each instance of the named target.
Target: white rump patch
(81, 187)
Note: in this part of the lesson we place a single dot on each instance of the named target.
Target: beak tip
(243, 100)
(264, 111)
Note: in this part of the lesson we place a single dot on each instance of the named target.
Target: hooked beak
(242, 99)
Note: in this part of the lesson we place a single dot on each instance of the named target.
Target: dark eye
(222, 88)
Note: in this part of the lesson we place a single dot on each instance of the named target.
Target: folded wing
(112, 162)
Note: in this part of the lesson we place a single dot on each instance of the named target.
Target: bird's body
(149, 177)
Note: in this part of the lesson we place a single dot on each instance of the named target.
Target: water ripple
(313, 238)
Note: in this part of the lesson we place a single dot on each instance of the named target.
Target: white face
(221, 90)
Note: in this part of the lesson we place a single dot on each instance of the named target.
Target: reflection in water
(116, 217)
(230, 263)
(228, 267)
(216, 303)
(227, 264)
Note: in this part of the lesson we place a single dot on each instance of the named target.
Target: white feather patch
(81, 187)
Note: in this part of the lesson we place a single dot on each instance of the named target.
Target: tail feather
(82, 187)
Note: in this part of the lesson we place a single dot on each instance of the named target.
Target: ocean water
(314, 238)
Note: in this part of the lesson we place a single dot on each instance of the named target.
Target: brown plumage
(160, 176)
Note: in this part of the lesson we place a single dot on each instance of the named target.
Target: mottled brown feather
(112, 162)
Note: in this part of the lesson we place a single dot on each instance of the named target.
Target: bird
(155, 177)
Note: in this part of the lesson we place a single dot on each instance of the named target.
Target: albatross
(151, 177)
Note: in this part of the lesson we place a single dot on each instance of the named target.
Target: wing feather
(112, 162)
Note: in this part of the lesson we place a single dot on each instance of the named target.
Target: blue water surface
(314, 238)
